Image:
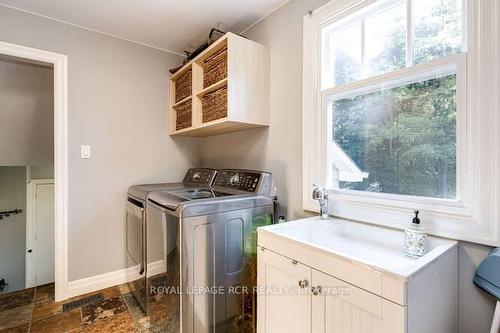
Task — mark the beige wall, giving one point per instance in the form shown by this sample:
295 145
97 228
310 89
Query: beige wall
118 102
13 228
278 148
26 114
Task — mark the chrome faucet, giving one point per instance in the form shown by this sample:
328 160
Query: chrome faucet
321 194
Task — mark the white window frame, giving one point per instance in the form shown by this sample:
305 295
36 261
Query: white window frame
475 214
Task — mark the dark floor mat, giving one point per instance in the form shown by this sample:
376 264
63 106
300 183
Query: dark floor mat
81 302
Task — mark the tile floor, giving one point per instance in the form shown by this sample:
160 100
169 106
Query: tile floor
34 310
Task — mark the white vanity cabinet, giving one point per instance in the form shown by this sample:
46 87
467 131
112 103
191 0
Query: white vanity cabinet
320 278
284 298
340 307
321 303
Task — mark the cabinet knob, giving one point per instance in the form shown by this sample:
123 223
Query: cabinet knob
303 283
316 290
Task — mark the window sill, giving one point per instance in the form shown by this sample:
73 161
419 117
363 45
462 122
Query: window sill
392 201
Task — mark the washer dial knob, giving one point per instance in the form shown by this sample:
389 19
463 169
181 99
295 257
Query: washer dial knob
234 180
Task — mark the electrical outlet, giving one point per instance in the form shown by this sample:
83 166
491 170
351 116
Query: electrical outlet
85 151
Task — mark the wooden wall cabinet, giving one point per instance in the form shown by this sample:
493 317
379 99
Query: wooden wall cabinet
242 86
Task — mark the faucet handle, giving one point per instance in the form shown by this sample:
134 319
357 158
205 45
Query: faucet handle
316 187
318 192
321 194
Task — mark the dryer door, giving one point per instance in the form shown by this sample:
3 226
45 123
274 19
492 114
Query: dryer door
135 217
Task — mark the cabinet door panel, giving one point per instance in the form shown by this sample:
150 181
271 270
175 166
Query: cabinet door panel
344 308
282 305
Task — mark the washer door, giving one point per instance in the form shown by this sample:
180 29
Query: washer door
163 269
219 265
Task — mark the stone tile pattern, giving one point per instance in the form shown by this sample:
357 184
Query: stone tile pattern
35 311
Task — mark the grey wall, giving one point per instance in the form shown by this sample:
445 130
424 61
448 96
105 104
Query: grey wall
118 103
13 228
26 114
41 172
475 308
278 148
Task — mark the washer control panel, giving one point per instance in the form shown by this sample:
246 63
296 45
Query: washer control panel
199 176
238 180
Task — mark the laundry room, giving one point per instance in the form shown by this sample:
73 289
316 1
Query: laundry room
257 166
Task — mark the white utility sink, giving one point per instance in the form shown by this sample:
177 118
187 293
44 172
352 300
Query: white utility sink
378 247
355 276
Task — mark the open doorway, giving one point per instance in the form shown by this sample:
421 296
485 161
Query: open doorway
33 168
26 174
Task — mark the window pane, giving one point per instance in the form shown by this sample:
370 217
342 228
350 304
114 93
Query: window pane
400 140
385 40
437 29
342 54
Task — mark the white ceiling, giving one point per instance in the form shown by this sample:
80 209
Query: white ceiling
171 25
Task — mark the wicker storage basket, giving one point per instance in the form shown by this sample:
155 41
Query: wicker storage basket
184 113
215 68
214 105
183 85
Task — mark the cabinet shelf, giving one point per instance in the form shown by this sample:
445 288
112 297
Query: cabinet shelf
213 87
181 71
181 101
213 122
246 65
215 127
181 131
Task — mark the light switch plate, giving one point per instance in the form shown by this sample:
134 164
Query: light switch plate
85 151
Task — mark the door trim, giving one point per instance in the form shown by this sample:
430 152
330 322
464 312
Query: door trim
30 220
60 66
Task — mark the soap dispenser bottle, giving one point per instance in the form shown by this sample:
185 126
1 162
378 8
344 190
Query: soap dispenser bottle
415 238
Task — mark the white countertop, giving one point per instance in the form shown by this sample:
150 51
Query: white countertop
378 247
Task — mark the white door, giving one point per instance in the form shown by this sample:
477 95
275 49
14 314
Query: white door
40 255
284 301
338 307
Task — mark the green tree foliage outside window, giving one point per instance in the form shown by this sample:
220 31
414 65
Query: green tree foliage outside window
404 137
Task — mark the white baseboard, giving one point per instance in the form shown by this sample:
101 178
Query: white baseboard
110 279
97 282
